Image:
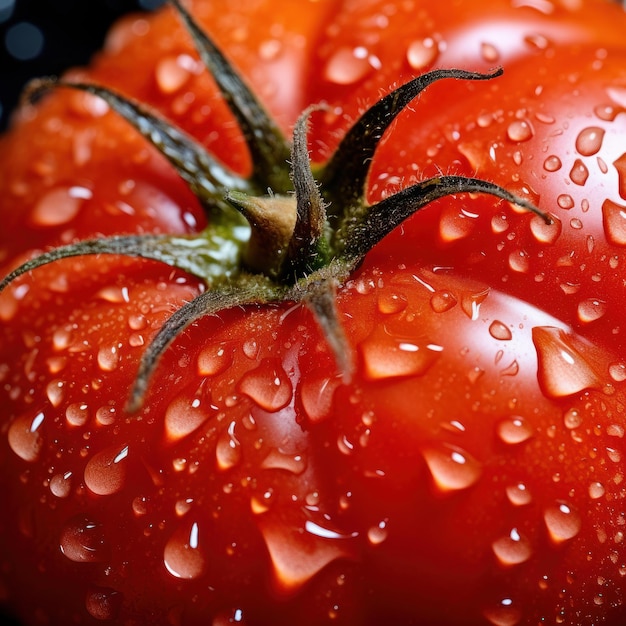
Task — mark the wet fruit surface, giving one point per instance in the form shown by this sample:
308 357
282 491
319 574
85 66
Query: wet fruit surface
471 471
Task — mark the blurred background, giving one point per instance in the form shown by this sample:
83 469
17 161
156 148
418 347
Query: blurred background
44 37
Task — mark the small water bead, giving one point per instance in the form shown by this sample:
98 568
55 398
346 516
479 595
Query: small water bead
617 371
562 521
614 221
565 201
56 207
228 449
442 301
228 617
452 469
106 415
589 140
55 390
105 472
316 394
519 261
562 371
504 613
545 233
390 303
552 163
108 358
422 53
214 359
514 430
500 331
268 386
103 603
572 419
349 65
591 309
520 130
500 223
607 112
512 549
182 556
183 416
24 436
596 490
82 541
77 414
171 73
579 173
518 494
489 52
378 533
280 460
61 485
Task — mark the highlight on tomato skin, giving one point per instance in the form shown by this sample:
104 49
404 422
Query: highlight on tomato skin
468 471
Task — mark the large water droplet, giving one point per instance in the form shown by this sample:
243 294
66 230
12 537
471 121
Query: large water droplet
520 130
562 371
55 390
512 549
387 356
471 302
562 521
108 358
504 613
183 416
105 472
316 393
183 556
589 140
552 163
103 603
452 469
422 53
77 414
214 359
591 309
579 173
277 459
545 233
268 386
56 207
514 430
228 448
518 494
500 331
378 533
61 485
614 221
172 73
442 301
82 541
348 66
24 436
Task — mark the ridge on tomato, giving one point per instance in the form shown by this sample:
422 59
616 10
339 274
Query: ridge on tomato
436 449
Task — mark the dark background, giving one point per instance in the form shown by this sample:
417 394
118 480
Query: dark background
44 37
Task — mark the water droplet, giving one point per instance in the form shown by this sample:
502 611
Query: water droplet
500 331
552 163
596 490
347 66
562 371
456 224
519 261
268 386
316 393
171 74
520 130
589 140
518 494
614 220
55 390
103 603
385 356
579 173
452 469
278 459
617 371
61 485
82 541
24 436
56 207
377 534
390 303
591 309
562 521
620 166
572 419
489 52
442 301
607 112
471 302
228 449
77 414
512 549
504 613
105 472
182 416
514 430
565 201
182 555
108 358
229 617
214 359
545 233
422 53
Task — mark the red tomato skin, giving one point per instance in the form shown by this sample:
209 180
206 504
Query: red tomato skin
458 479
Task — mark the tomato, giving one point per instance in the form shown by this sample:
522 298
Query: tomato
396 410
